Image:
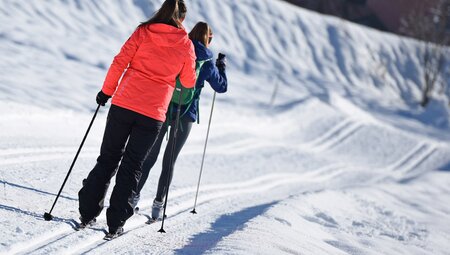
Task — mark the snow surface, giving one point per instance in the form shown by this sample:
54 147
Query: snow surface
340 161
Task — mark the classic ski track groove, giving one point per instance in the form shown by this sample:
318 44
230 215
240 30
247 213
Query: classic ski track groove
338 136
400 163
416 161
39 241
41 150
218 191
53 237
330 133
427 154
30 155
347 128
406 164
413 158
187 205
331 138
408 169
335 135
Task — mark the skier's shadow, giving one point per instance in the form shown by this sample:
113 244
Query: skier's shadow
34 190
222 227
72 223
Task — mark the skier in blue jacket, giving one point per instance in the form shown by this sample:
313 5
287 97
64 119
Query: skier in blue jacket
201 36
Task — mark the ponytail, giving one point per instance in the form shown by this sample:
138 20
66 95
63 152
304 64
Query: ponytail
170 13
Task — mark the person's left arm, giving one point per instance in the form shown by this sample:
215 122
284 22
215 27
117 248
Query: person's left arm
121 62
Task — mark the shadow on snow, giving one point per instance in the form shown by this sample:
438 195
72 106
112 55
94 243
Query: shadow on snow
222 227
35 190
71 222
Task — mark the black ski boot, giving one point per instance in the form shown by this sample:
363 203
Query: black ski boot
113 234
86 223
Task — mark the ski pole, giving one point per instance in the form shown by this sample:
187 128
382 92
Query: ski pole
48 216
204 152
177 120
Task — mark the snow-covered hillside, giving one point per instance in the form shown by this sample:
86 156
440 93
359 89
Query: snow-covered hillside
342 161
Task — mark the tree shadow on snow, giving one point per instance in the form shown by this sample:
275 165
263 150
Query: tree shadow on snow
445 167
222 227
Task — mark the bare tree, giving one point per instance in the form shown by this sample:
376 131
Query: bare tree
429 22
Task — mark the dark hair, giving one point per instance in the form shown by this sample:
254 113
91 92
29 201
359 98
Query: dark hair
170 13
201 32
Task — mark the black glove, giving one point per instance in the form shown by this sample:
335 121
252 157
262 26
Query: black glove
102 98
221 62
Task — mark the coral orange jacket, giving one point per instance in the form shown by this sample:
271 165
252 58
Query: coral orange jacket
152 58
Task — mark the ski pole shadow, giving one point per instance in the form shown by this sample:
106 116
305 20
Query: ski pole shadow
72 223
222 227
35 190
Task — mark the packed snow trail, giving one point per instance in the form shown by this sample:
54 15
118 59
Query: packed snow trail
67 238
342 161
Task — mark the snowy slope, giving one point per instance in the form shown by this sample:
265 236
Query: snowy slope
342 162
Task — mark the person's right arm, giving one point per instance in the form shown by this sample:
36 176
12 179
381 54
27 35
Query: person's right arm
121 62
216 77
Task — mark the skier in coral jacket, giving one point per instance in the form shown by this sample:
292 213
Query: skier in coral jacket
157 52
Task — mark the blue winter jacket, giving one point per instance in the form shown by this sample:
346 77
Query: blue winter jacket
210 73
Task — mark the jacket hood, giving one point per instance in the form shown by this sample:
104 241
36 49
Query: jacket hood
201 51
166 35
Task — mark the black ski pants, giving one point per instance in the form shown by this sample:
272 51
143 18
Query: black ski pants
141 132
184 129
